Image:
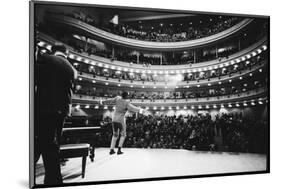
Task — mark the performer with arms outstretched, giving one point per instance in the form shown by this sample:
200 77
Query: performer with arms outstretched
119 121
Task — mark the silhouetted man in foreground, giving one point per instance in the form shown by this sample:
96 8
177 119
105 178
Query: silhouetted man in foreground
54 77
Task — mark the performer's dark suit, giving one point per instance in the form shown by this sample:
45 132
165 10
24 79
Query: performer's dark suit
54 77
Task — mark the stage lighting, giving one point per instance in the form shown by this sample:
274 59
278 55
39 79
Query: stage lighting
78 58
71 56
41 44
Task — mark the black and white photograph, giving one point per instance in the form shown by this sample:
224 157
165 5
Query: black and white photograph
122 94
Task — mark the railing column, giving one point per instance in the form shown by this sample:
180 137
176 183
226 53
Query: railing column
138 57
113 52
194 56
86 44
217 51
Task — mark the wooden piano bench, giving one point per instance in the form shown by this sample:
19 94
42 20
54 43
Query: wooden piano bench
76 150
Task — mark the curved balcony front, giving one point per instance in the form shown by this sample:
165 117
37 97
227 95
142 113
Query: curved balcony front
146 45
105 62
259 93
182 84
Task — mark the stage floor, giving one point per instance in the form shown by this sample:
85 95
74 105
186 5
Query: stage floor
148 163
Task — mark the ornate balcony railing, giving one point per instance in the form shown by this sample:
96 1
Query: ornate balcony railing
161 84
105 62
225 99
147 45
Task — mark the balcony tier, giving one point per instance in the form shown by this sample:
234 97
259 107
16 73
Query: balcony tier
149 84
105 62
147 45
233 98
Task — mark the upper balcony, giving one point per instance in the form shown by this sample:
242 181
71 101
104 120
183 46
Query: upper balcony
242 55
140 44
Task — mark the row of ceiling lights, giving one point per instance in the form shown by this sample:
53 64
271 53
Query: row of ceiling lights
167 86
214 106
91 62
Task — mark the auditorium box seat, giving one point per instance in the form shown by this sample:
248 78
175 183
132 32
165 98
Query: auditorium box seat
76 150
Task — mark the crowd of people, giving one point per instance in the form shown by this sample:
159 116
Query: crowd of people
97 92
220 52
239 134
197 76
161 33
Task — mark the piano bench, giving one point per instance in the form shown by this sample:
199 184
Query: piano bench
76 150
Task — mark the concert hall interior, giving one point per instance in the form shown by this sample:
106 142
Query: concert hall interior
201 80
